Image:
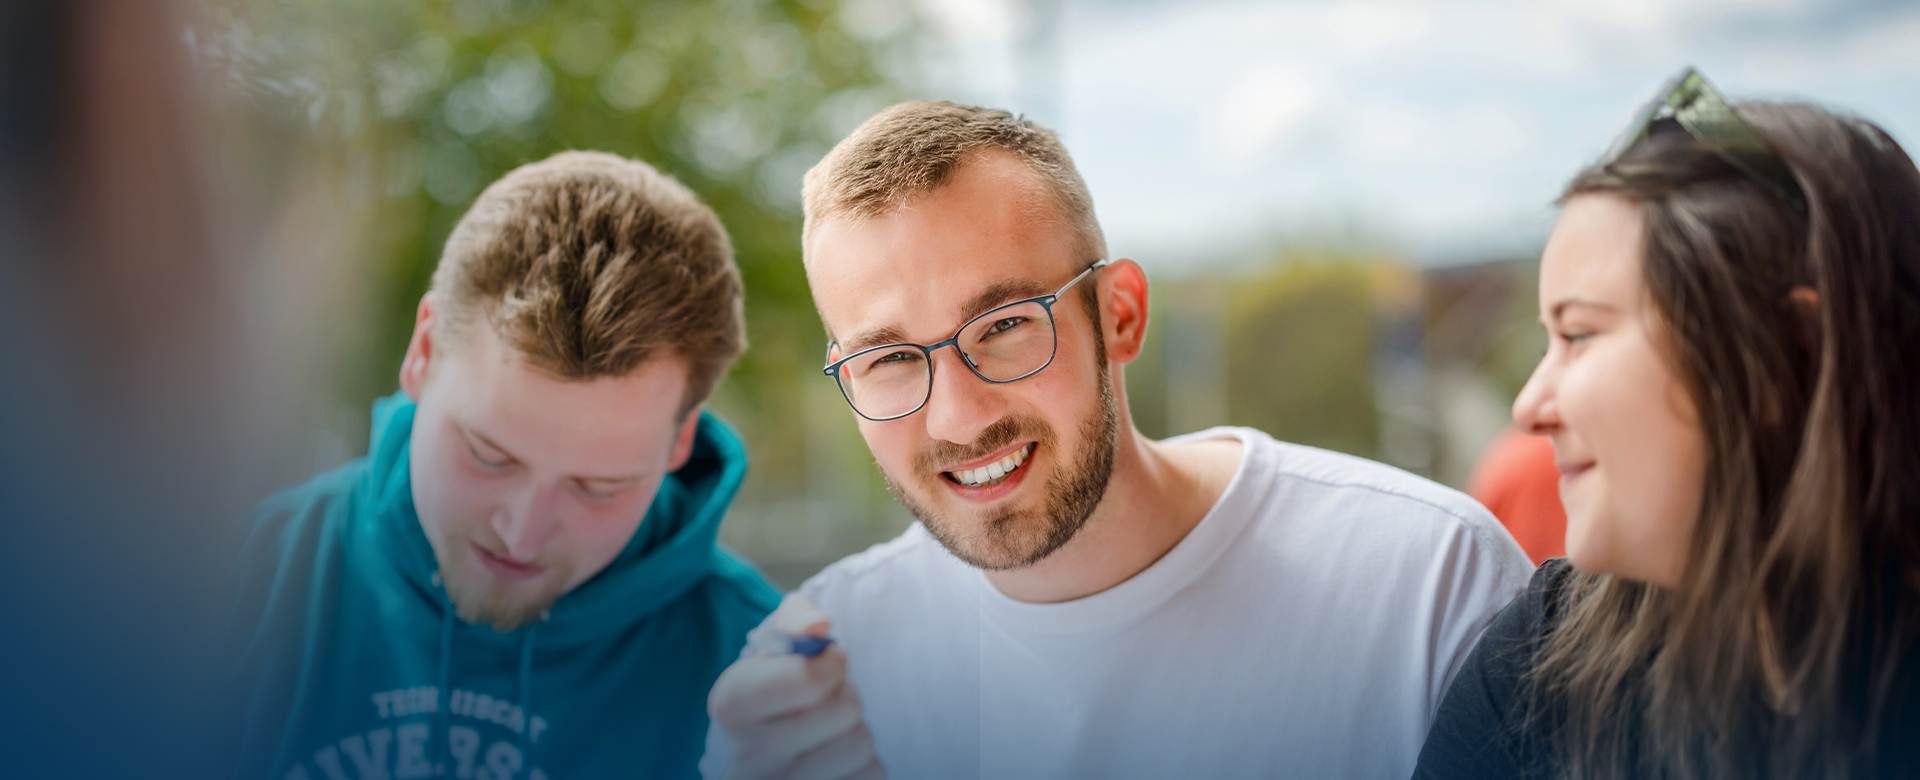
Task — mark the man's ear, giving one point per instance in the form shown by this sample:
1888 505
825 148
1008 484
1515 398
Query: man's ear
1123 309
683 442
413 367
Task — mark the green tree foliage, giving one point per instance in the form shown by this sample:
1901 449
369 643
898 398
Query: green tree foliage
423 102
1299 355
1289 350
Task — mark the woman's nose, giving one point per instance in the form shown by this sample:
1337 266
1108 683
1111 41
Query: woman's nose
1534 409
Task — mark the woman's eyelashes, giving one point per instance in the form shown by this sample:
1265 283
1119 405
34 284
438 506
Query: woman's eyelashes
1570 337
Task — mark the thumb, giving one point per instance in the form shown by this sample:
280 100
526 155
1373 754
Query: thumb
799 616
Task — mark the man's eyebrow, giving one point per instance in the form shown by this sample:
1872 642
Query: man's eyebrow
885 334
999 293
982 302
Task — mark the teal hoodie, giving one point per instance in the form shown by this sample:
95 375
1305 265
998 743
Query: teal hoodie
356 669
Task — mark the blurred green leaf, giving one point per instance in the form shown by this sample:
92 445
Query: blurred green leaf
440 97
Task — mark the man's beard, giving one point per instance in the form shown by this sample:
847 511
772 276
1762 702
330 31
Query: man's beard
1012 538
479 597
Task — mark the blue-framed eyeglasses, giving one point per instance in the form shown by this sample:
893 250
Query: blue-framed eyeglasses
1008 344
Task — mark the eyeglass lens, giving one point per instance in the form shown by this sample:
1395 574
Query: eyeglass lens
1000 346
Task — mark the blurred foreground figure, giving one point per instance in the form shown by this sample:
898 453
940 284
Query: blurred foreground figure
1517 481
1733 396
1078 601
122 402
520 579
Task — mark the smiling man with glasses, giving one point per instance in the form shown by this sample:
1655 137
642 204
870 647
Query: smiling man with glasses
1078 600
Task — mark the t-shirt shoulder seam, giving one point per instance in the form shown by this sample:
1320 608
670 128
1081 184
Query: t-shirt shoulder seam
1288 452
860 564
1479 531
1384 490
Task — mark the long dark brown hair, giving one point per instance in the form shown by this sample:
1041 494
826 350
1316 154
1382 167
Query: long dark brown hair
1787 641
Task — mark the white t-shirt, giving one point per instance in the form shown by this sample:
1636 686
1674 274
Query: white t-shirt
1306 627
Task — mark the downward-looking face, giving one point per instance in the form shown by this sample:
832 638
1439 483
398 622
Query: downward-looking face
1626 434
1001 474
528 485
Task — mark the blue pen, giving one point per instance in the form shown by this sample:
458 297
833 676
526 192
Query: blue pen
810 646
768 641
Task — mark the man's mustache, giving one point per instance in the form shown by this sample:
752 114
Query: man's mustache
1001 433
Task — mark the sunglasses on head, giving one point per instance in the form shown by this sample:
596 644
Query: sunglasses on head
1690 103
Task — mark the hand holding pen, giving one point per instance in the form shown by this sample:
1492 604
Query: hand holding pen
770 640
786 706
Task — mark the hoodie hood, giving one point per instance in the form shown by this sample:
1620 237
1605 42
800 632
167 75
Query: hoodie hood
359 666
673 549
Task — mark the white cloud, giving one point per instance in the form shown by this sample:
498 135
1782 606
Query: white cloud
1260 108
1893 45
1453 124
1366 28
1390 132
972 20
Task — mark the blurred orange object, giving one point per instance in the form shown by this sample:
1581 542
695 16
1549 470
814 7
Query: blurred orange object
1517 481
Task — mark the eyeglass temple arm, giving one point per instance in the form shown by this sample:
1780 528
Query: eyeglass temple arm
1097 265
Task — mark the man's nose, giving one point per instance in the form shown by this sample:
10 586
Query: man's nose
525 522
1536 410
959 405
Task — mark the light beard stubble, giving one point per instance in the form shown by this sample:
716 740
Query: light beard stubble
1012 539
477 604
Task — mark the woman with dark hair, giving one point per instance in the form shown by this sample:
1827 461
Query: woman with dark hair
1733 395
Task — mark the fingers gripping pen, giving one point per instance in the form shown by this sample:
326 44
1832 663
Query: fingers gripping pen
767 640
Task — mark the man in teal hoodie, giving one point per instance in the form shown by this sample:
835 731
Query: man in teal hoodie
520 579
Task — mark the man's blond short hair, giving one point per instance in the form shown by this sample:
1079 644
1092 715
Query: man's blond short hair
591 265
913 148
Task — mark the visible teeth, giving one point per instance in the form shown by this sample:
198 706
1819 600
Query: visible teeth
992 472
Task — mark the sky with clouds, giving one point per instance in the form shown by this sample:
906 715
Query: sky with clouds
1213 130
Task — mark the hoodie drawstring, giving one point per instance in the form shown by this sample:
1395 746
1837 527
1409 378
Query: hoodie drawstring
527 749
446 678
526 696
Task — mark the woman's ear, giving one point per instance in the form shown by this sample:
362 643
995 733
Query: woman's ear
1806 300
1803 303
